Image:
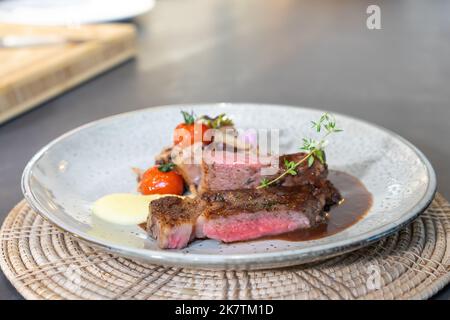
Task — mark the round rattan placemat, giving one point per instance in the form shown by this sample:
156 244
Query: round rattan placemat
43 262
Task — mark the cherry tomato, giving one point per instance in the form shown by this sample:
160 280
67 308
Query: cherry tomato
155 181
187 134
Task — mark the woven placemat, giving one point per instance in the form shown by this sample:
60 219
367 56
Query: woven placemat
43 262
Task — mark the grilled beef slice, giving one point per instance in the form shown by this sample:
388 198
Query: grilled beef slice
233 170
171 221
227 171
246 214
238 215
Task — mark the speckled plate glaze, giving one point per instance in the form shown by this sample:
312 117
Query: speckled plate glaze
63 180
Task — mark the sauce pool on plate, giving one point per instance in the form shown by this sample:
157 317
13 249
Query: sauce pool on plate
357 203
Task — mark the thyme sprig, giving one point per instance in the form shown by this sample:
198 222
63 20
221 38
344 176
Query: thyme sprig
314 149
217 122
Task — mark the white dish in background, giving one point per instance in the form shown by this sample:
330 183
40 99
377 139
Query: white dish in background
63 180
68 12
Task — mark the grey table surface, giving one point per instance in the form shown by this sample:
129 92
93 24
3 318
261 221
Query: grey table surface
318 54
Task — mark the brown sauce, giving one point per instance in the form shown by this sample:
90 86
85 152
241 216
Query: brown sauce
357 202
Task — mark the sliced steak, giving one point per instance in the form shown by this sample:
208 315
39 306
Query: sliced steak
229 171
247 214
171 221
238 215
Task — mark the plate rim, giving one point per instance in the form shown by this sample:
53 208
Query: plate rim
247 261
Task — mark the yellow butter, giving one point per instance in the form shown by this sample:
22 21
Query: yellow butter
124 208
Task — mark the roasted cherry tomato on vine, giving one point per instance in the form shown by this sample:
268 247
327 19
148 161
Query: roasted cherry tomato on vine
189 132
161 180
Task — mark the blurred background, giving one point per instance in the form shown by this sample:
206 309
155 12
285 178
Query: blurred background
64 63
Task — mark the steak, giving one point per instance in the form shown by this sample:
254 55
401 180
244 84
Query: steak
172 220
247 214
237 170
229 171
238 215
229 208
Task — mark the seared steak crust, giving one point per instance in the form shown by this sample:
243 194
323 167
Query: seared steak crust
171 221
238 215
173 210
272 199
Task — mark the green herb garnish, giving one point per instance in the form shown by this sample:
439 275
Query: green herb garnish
217 122
314 148
166 167
189 118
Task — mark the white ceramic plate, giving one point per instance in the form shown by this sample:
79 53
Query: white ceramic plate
69 12
63 180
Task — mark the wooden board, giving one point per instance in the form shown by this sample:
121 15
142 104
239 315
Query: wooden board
32 75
